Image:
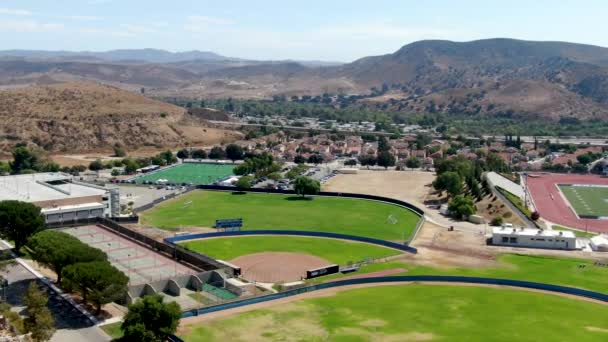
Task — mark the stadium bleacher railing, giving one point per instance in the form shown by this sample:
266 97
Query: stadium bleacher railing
397 279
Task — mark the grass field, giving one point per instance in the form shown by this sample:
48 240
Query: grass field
576 232
268 211
587 200
189 173
336 251
113 330
559 271
416 313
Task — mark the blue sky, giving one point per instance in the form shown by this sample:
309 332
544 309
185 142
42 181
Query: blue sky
324 30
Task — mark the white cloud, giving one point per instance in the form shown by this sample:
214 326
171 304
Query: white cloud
103 32
10 11
82 17
137 29
126 30
200 23
28 26
336 42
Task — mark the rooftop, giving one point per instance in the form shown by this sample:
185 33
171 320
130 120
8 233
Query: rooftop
39 187
533 232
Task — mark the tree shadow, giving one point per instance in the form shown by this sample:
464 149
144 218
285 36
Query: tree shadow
239 193
298 198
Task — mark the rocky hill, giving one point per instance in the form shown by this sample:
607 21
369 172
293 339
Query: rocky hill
87 116
495 77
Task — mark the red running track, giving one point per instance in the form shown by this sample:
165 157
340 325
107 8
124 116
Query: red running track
553 207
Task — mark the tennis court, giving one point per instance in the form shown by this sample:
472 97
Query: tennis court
140 264
195 173
587 200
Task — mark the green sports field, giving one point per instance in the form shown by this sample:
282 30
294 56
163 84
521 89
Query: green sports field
189 173
416 313
269 211
335 251
587 200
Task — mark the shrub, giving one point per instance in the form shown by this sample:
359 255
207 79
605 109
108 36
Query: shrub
497 221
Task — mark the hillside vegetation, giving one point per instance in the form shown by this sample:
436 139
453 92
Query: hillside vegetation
89 116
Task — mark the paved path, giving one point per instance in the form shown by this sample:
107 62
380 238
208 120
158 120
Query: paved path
72 325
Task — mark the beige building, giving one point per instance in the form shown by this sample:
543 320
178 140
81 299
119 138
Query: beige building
60 196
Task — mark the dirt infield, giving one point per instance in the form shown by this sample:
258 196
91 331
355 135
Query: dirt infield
553 207
273 267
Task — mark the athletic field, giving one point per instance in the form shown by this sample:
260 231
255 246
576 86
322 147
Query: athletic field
335 251
587 200
414 313
189 173
270 211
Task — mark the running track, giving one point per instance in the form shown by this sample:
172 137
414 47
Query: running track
552 206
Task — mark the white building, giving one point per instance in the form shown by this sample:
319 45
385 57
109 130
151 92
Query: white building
534 238
599 243
60 197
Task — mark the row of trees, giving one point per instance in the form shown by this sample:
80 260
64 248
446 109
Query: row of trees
262 165
232 151
461 178
79 267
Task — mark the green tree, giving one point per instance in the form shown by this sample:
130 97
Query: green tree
119 151
199 154
306 186
422 139
39 321
96 165
150 320
413 163
234 152
184 153
4 168
18 221
97 281
497 221
449 181
168 157
386 159
383 145
584 159
367 160
57 250
299 159
217 152
131 166
244 182
24 160
315 159
462 206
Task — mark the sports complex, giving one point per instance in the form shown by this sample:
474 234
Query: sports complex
576 201
375 295
187 173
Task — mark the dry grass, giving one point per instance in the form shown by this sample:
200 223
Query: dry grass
93 117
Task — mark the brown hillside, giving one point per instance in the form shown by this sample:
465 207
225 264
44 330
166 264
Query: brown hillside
88 116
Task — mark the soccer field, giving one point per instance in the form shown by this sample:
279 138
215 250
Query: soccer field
270 211
189 173
415 313
335 251
587 200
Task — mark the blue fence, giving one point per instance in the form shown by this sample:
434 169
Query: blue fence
379 242
396 279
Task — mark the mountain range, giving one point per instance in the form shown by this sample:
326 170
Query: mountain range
499 77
